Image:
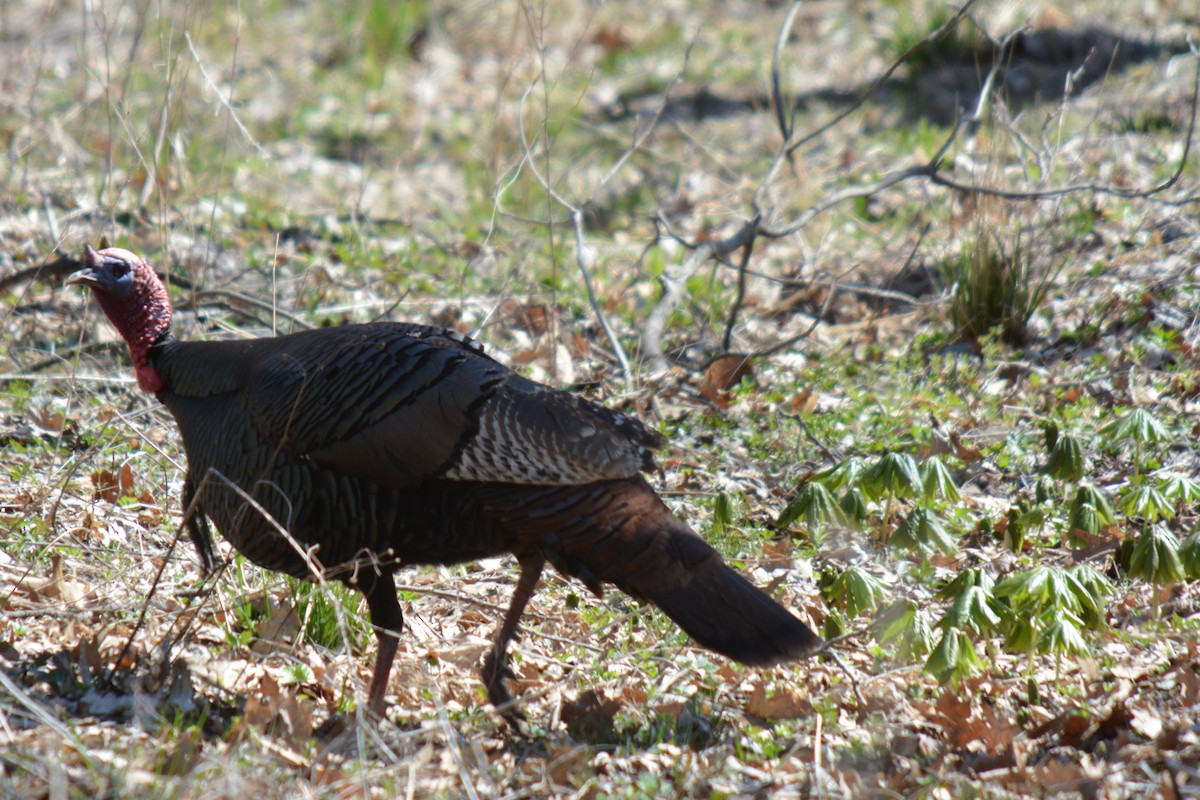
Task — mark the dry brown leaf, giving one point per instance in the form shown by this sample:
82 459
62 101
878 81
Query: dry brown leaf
125 480
48 420
1146 722
56 588
328 775
532 317
466 656
724 374
105 486
963 452
780 701
778 553
803 401
966 721
567 764
530 355
1189 682
277 632
17 503
611 38
580 346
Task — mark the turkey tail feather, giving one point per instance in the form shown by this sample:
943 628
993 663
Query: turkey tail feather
724 612
649 554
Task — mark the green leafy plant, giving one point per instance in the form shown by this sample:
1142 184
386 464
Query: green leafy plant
1088 495
724 512
1189 555
816 505
855 507
936 482
892 477
904 625
389 30
1051 607
953 658
1139 428
1156 557
1066 461
914 26
923 531
1148 502
853 591
843 476
973 605
973 611
329 614
1180 489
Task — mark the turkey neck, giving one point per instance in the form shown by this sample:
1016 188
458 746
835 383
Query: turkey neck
200 369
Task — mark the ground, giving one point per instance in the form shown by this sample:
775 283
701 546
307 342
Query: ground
911 288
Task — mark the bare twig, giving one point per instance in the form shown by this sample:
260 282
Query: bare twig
931 171
747 249
785 32
927 170
930 37
938 178
239 301
792 144
674 286
221 96
584 256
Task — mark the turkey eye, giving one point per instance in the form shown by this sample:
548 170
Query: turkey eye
120 269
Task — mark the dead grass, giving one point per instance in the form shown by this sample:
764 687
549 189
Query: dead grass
260 159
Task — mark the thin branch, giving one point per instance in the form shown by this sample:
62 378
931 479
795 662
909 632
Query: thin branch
791 145
927 170
640 138
583 254
940 179
747 249
674 285
785 33
221 97
239 301
932 36
931 170
58 269
858 289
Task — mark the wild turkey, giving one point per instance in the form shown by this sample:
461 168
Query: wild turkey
356 450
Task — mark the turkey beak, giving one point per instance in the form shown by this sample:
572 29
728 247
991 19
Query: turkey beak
87 275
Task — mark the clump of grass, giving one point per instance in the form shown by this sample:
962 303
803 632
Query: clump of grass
317 606
994 284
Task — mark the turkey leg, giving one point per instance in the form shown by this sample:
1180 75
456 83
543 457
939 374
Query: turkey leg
495 664
388 621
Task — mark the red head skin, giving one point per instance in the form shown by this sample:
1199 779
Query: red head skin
134 300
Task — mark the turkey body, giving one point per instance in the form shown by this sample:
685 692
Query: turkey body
344 442
346 453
